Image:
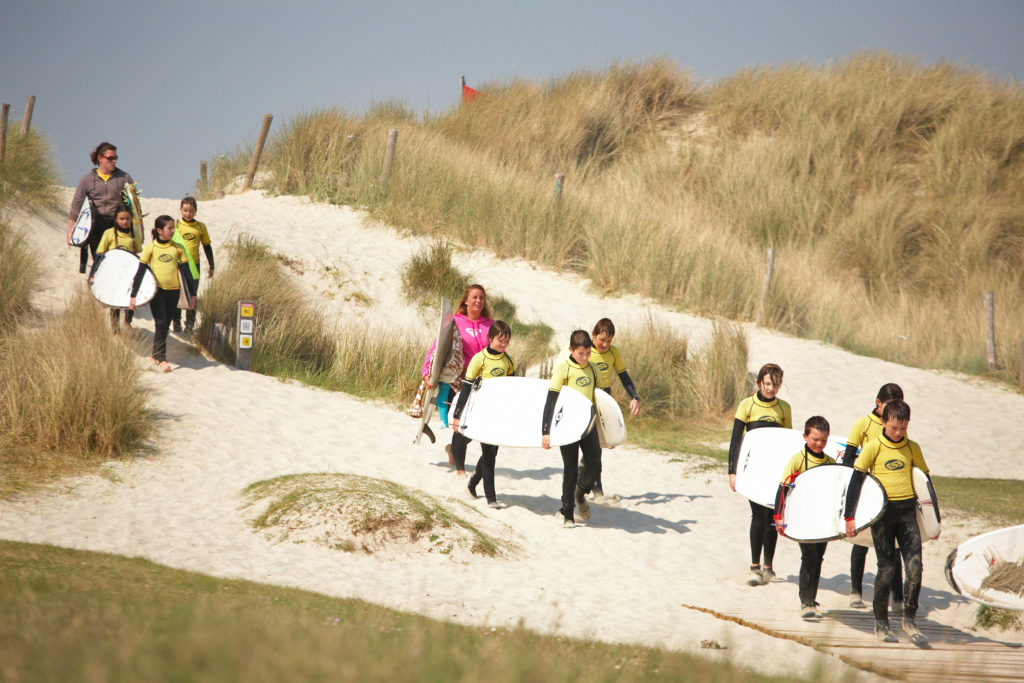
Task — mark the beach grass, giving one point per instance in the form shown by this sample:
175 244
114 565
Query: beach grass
61 413
994 500
887 188
28 177
83 616
21 274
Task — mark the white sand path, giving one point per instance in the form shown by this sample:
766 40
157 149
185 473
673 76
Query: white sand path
678 535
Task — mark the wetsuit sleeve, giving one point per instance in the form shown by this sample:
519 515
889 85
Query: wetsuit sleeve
208 249
627 384
778 496
787 416
137 282
738 427
853 493
549 411
467 387
850 454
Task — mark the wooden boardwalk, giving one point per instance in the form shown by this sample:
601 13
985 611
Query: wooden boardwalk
950 655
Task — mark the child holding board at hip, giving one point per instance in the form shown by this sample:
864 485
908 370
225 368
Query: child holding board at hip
169 264
492 361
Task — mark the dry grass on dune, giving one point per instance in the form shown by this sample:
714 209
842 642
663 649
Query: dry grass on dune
889 190
70 396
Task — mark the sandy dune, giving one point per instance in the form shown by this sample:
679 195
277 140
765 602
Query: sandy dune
677 536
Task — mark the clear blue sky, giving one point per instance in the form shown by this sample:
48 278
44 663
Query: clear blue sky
173 83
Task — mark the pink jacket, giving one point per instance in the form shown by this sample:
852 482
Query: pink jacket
474 339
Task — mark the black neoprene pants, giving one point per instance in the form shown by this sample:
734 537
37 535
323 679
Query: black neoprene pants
762 534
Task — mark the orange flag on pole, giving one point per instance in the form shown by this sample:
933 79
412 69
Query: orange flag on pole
468 94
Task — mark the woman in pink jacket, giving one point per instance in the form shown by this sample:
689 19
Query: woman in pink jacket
473 321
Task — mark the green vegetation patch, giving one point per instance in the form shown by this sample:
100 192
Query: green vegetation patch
994 500
80 616
349 512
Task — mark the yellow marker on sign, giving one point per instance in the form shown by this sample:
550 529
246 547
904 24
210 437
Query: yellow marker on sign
246 310
245 341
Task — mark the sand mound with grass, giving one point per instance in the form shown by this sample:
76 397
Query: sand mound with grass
353 513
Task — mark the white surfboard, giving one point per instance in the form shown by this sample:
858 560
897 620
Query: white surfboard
442 347
508 411
813 506
115 274
927 512
611 426
83 224
990 568
765 451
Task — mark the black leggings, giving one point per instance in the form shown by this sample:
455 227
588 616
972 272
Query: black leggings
162 307
858 558
100 224
485 471
590 445
762 534
811 556
898 525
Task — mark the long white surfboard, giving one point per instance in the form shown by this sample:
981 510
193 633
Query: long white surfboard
814 505
990 568
442 347
611 426
83 224
114 276
765 451
508 411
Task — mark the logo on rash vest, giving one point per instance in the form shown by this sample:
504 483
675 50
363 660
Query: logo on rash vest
189 236
582 381
497 372
601 366
894 465
166 258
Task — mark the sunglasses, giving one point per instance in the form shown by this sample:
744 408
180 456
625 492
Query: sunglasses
113 158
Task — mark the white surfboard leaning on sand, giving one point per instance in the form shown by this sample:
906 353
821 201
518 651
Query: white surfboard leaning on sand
114 277
611 426
990 568
814 504
442 347
763 454
83 224
508 411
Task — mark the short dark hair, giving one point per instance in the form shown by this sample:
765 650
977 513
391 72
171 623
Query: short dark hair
499 328
580 338
816 422
896 410
890 392
190 201
604 326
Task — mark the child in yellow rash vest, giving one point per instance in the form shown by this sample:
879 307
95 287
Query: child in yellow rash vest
816 431
121 236
577 373
762 409
193 233
166 259
891 459
865 430
607 361
490 362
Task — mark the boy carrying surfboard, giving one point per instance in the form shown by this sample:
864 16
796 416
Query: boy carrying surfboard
816 431
891 459
492 361
121 236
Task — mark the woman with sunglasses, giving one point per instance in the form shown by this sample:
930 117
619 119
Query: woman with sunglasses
101 187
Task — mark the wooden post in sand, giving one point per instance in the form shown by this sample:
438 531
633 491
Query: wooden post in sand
389 156
203 184
255 161
245 327
990 329
26 123
769 269
3 130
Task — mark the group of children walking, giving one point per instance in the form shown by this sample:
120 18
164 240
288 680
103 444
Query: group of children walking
173 258
877 445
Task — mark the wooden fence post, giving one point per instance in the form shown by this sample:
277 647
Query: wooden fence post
255 161
389 156
26 123
3 130
1021 378
769 269
559 183
203 183
990 329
